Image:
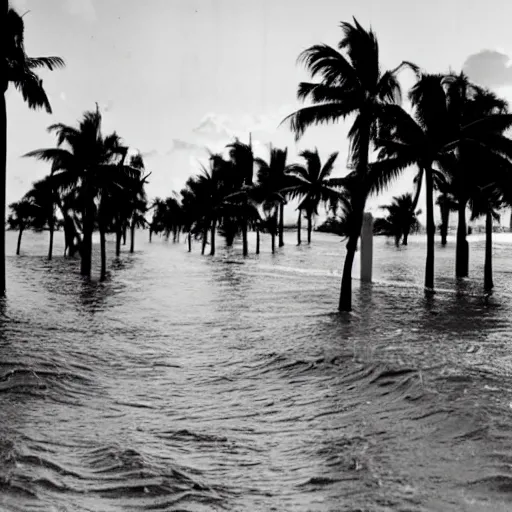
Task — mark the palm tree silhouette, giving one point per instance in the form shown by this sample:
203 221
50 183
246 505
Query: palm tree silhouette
402 218
273 179
22 217
86 160
17 68
313 185
351 83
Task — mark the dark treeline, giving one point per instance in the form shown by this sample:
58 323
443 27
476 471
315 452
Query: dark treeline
455 134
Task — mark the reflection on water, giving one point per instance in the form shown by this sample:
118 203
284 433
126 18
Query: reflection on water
190 383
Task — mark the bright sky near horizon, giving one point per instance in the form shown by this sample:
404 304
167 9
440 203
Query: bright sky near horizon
173 77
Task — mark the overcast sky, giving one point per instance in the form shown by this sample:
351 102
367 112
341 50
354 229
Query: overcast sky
175 76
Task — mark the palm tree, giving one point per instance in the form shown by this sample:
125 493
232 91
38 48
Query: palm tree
21 218
313 185
351 83
84 160
241 178
402 218
273 178
17 68
447 203
420 139
42 195
467 103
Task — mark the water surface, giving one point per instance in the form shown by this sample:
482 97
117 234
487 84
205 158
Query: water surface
197 384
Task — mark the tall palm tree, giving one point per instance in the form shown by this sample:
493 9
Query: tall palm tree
351 83
419 140
313 185
273 178
17 68
467 103
84 159
242 175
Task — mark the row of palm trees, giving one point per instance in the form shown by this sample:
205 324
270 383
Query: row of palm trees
455 135
94 184
241 192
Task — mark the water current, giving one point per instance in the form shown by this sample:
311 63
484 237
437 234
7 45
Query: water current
190 383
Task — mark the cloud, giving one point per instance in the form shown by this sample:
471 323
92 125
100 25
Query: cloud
490 68
82 8
183 145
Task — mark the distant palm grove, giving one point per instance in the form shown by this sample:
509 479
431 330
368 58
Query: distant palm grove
454 133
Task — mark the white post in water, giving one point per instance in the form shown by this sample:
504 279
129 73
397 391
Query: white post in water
367 248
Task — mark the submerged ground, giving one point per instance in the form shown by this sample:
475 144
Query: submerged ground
190 383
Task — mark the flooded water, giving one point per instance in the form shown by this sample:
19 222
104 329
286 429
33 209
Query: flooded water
188 383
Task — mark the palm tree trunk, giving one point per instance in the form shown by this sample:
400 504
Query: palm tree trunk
488 283
18 247
50 245
345 303
431 229
150 234
358 204
245 245
281 224
103 249
205 239
124 235
257 240
299 227
189 237
418 190
405 238
119 235
273 238
462 248
132 237
86 246
445 218
212 237
310 227
3 147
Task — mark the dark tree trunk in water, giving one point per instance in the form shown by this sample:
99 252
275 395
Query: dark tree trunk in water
405 238
119 235
103 249
462 248
189 238
3 139
310 227
132 237
281 225
445 219
431 229
299 228
204 241
50 245
488 283
257 240
345 303
18 247
212 238
86 246
245 245
124 235
397 240
273 231
150 234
